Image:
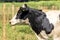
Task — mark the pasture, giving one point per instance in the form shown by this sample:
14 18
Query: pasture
20 31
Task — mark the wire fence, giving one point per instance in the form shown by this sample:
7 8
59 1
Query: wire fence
5 18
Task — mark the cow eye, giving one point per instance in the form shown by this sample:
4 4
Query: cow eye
23 10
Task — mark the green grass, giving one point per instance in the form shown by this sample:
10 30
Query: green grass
0 29
19 32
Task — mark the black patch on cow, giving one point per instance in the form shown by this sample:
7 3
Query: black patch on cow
47 26
37 19
22 13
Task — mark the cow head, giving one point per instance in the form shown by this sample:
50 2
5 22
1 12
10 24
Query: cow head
21 14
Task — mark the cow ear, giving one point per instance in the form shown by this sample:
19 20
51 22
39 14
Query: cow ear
21 8
24 5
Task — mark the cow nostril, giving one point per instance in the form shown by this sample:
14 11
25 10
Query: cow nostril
10 22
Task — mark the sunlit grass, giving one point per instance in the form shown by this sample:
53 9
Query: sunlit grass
20 32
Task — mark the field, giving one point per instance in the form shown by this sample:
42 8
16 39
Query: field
21 32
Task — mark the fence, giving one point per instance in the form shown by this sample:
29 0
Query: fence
5 19
7 12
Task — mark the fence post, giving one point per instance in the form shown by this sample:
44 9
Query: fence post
4 23
8 12
13 27
53 8
13 14
12 10
17 8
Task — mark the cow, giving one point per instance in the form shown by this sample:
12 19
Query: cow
37 19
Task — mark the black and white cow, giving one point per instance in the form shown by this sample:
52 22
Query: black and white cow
37 19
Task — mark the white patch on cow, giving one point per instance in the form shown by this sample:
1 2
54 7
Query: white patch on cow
14 20
23 6
42 36
38 37
53 16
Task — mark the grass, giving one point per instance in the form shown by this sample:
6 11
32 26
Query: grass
0 29
18 32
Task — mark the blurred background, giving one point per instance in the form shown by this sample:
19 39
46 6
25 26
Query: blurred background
8 8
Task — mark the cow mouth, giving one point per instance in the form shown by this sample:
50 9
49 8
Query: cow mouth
14 24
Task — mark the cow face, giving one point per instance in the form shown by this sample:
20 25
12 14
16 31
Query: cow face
21 14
